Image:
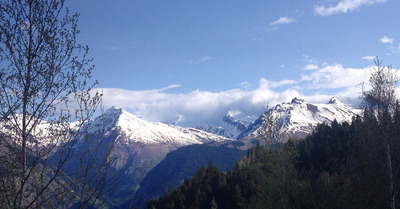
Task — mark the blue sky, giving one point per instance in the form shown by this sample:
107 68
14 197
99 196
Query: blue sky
177 59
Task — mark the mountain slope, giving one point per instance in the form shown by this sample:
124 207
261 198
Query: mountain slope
139 145
299 118
183 163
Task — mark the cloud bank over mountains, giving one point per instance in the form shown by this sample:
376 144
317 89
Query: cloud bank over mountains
316 85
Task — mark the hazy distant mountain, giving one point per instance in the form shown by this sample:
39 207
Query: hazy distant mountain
300 118
43 132
230 126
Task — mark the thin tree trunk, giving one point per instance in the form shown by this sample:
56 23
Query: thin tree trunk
390 172
25 110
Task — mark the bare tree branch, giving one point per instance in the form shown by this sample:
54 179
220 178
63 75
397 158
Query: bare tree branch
46 83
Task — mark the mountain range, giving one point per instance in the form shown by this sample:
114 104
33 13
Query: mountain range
299 118
139 145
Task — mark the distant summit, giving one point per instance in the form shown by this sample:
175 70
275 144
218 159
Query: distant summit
231 125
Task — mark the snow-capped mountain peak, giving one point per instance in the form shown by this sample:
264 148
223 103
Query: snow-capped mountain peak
299 118
131 128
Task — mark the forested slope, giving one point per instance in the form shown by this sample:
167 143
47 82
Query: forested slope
338 166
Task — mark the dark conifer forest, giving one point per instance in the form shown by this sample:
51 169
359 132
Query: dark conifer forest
338 166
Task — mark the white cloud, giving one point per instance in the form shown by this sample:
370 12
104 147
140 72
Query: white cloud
344 6
264 83
246 84
310 67
283 20
203 59
386 40
172 86
272 29
335 77
204 107
394 49
113 48
196 106
369 58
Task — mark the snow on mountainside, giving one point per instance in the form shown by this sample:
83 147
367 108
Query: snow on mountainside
131 128
43 134
300 118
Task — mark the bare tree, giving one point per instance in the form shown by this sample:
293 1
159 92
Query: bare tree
381 100
271 131
45 84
